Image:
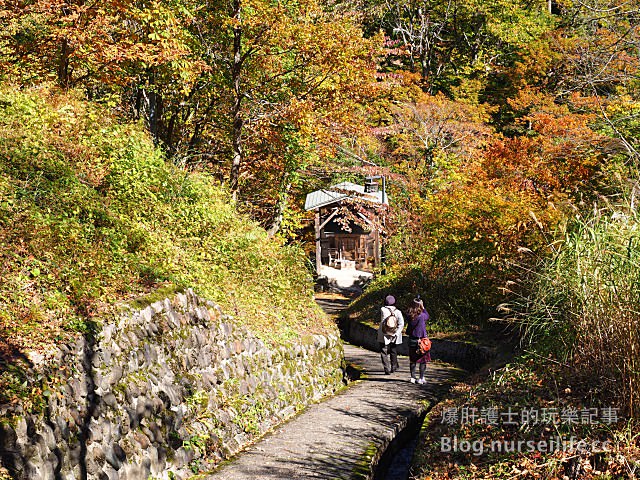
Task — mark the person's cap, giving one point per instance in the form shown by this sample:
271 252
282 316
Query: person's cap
389 300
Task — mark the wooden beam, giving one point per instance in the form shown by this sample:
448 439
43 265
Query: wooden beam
335 212
366 219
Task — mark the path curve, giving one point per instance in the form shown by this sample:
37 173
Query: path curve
345 433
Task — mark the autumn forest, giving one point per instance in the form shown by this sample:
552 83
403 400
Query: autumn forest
507 131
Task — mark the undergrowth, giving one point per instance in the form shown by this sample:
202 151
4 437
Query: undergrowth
91 214
577 378
582 304
531 400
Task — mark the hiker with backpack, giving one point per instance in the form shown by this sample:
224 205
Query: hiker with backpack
390 334
419 343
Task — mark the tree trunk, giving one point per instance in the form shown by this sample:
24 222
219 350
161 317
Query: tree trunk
63 65
236 130
279 216
153 105
169 133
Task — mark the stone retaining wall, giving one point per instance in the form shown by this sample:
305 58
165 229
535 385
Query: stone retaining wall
466 355
164 392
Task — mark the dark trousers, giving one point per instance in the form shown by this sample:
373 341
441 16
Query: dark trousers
389 356
412 369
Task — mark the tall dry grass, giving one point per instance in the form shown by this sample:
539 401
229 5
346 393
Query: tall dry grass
583 303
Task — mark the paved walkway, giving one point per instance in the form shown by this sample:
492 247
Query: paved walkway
335 438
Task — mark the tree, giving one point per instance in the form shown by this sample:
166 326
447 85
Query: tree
283 82
457 46
90 44
600 44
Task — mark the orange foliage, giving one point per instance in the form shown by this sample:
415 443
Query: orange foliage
561 155
77 42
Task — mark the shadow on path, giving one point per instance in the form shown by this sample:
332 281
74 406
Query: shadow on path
346 433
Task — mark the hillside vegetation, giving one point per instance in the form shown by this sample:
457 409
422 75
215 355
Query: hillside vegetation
92 214
577 376
582 303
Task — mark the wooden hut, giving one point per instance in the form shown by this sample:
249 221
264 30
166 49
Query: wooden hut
344 243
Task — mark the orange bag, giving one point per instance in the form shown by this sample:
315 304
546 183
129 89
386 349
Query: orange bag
424 345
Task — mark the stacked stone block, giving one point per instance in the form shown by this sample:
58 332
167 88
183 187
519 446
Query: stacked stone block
164 392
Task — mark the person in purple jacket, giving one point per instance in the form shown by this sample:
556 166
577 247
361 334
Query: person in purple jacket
416 329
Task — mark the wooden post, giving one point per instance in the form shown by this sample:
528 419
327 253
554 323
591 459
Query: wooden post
318 239
376 248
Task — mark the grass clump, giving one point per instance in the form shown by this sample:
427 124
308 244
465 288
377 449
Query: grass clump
583 305
91 214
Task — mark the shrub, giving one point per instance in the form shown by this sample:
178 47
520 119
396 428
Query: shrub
91 214
584 301
456 248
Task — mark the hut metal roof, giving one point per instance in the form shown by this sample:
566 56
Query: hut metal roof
336 193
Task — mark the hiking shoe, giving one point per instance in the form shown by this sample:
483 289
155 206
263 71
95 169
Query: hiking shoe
422 381
412 380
